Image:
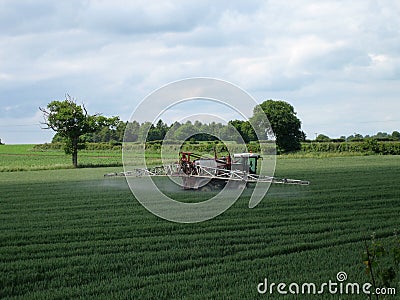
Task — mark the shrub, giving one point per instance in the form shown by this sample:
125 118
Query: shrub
368 146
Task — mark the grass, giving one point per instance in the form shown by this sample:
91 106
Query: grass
71 233
25 158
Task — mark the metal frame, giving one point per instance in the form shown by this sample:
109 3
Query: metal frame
209 173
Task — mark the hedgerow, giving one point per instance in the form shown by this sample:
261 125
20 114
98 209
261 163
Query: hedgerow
370 146
366 147
88 146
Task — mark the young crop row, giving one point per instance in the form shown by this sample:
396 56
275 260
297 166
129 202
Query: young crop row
72 233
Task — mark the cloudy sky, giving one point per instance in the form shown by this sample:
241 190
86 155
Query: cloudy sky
336 62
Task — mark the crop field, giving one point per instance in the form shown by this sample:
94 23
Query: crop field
25 157
70 233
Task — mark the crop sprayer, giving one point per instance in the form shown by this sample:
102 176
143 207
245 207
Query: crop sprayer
203 173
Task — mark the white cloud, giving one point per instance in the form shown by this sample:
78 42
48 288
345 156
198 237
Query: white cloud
334 57
24 130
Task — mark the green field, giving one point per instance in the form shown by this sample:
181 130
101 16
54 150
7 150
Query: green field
25 157
71 233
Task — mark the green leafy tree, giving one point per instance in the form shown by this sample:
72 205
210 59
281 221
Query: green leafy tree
245 129
303 136
120 131
105 134
322 138
248 132
215 128
143 131
71 122
284 122
158 132
228 133
131 131
381 135
185 130
396 136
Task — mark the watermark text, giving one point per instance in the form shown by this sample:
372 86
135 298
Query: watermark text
338 286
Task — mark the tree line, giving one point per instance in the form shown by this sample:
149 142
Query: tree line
283 120
74 127
380 136
148 132
136 132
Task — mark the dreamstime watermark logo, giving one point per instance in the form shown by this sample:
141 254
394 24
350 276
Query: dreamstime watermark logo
196 99
335 287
